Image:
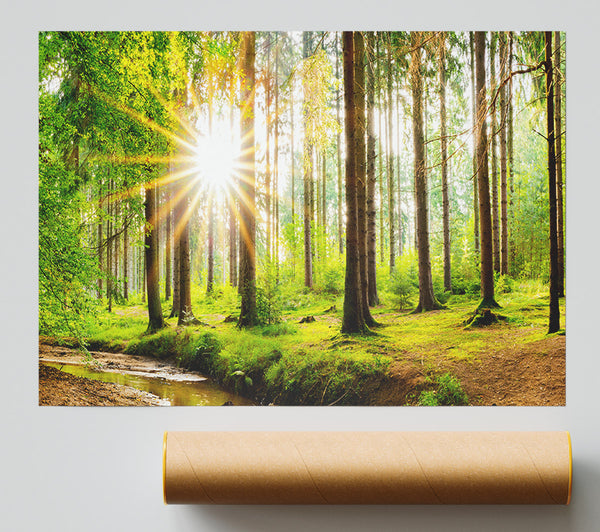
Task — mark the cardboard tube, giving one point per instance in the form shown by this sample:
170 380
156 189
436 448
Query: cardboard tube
367 467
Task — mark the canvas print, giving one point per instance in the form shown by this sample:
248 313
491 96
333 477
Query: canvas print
302 218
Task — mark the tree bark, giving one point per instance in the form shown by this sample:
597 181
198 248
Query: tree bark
373 297
494 161
474 114
361 174
390 155
248 316
511 159
503 162
155 317
308 178
554 318
353 319
427 299
339 150
559 166
444 155
485 218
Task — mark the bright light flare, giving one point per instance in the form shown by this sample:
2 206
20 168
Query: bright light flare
216 157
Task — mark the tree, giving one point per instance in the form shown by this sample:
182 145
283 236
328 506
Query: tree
494 163
485 218
155 317
474 115
247 270
373 297
361 174
559 165
427 300
503 156
390 162
353 320
554 319
308 177
444 169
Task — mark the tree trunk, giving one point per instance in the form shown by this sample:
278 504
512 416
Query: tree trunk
186 316
339 149
503 169
308 178
210 269
276 163
427 299
511 172
444 155
248 316
176 201
494 162
268 148
380 108
474 114
361 174
485 218
353 319
373 297
390 155
554 320
559 166
155 317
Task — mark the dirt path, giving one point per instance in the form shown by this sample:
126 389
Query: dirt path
57 388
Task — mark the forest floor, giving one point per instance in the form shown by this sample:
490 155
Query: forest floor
513 362
57 388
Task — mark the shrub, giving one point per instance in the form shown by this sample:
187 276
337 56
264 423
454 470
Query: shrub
200 356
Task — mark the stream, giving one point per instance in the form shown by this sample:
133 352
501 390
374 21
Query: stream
182 389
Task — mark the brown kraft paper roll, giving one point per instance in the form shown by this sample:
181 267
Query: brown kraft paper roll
367 467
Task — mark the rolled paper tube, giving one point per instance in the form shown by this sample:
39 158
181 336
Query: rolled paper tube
367 467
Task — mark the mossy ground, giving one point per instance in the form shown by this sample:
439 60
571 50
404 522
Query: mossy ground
312 363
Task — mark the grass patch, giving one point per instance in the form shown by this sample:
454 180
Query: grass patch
447 392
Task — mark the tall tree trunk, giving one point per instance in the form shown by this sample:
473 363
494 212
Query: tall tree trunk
511 168
168 244
361 174
554 319
268 148
308 178
100 244
186 316
380 108
485 217
248 316
503 169
559 166
210 267
427 299
390 155
400 230
176 217
494 162
210 273
276 162
233 202
126 261
474 115
373 297
353 319
339 150
444 155
155 317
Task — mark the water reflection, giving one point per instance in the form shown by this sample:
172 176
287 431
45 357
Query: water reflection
195 393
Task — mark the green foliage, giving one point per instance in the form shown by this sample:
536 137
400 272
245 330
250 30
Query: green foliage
201 352
268 298
331 280
448 392
324 377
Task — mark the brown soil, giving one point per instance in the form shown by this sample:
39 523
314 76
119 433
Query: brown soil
57 388
529 374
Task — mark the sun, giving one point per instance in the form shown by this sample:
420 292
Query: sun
215 159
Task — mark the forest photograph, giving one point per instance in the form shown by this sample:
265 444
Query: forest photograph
316 218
